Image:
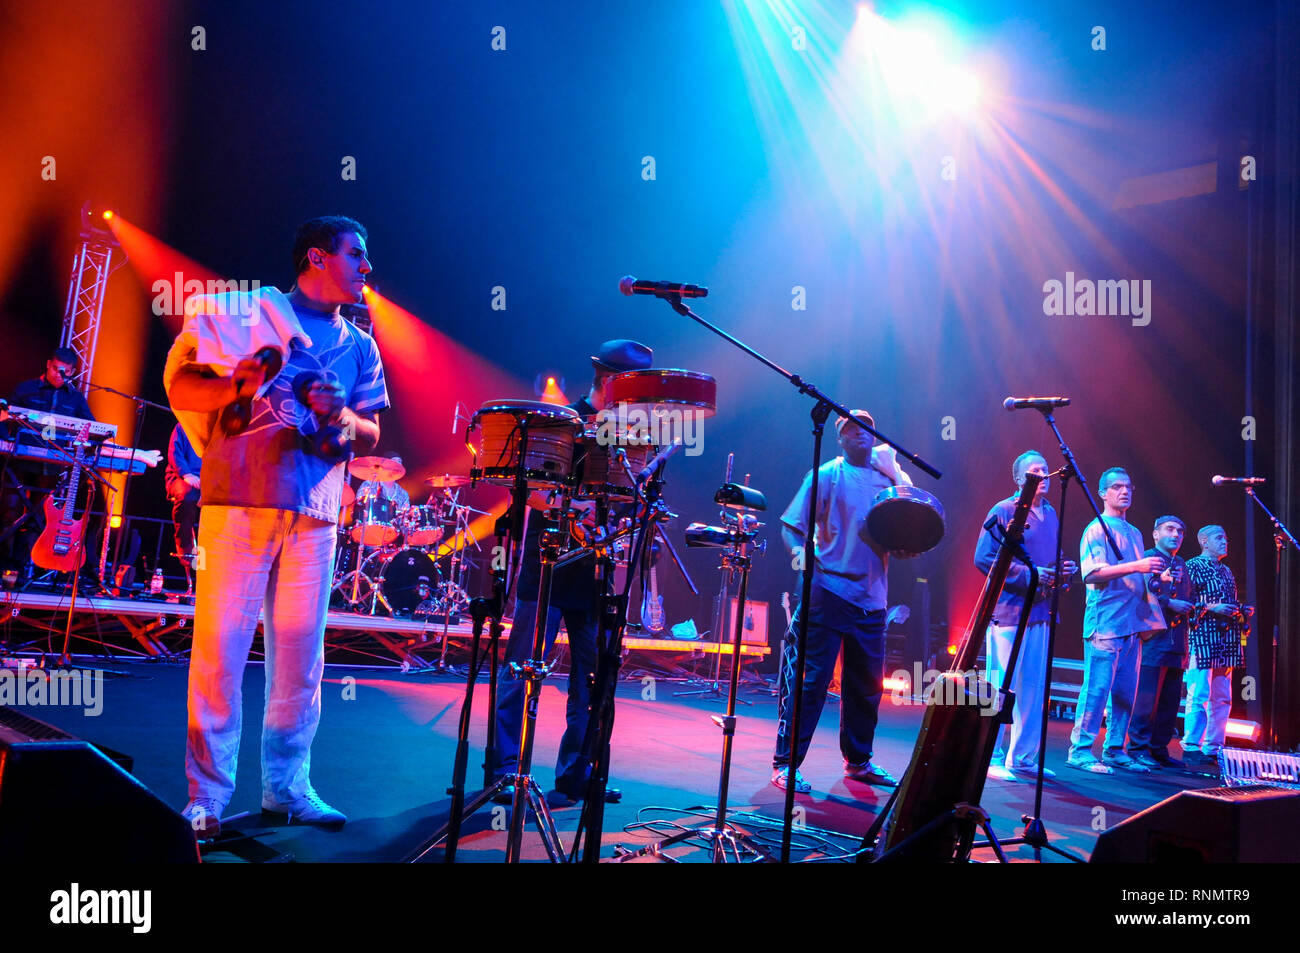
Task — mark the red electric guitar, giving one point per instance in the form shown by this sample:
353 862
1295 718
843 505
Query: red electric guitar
62 544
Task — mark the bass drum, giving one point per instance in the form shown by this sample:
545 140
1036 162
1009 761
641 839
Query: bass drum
406 580
906 521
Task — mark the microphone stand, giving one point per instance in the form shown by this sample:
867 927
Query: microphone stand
1281 537
820 412
1035 831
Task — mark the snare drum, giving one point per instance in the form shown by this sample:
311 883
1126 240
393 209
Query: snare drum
551 434
600 472
374 521
423 525
906 521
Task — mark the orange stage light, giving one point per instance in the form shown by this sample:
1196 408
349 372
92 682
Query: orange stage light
552 393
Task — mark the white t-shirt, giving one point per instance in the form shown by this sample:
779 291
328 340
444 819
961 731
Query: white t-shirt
848 563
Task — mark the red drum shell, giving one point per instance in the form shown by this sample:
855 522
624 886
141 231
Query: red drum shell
670 387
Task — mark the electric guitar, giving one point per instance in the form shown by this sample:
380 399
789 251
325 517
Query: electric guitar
652 604
62 544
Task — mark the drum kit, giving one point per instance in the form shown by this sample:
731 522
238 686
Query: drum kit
391 553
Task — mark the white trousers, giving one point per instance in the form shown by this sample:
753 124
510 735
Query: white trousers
250 559
1018 749
1209 702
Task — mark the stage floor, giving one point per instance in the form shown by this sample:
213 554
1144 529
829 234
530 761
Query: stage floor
384 753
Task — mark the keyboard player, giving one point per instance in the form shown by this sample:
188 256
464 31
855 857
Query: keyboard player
55 392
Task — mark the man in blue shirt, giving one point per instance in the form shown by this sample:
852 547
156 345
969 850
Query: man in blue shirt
1016 756
266 538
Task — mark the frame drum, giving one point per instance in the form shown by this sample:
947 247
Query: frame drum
906 521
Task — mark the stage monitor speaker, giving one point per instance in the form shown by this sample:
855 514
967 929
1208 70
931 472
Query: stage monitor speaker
1258 823
63 800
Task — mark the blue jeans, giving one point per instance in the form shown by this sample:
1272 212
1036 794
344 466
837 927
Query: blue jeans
1155 708
1110 670
834 621
571 771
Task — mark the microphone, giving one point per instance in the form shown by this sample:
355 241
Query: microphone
657 459
660 289
1035 403
1245 481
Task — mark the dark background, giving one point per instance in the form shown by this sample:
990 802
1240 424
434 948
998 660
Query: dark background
522 169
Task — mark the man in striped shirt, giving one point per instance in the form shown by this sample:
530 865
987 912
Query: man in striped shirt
1214 641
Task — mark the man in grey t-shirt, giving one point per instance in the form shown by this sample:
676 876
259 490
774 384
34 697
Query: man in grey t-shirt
848 606
1119 611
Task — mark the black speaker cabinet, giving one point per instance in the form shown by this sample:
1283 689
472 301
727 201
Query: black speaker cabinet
1258 823
62 799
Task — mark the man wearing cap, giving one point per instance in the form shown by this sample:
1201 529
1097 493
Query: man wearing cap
848 606
574 595
1164 655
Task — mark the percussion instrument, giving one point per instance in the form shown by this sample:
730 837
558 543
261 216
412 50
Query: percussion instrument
552 432
379 469
407 579
599 467
374 521
446 481
660 391
423 525
906 521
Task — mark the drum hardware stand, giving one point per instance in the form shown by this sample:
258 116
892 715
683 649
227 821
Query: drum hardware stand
481 609
730 521
526 790
727 843
613 621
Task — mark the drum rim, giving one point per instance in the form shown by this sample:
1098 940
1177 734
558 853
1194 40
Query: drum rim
661 372
537 407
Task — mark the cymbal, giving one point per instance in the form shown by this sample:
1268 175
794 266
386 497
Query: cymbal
381 469
447 481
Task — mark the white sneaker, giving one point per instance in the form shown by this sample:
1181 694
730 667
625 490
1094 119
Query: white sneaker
999 773
781 775
204 815
308 809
